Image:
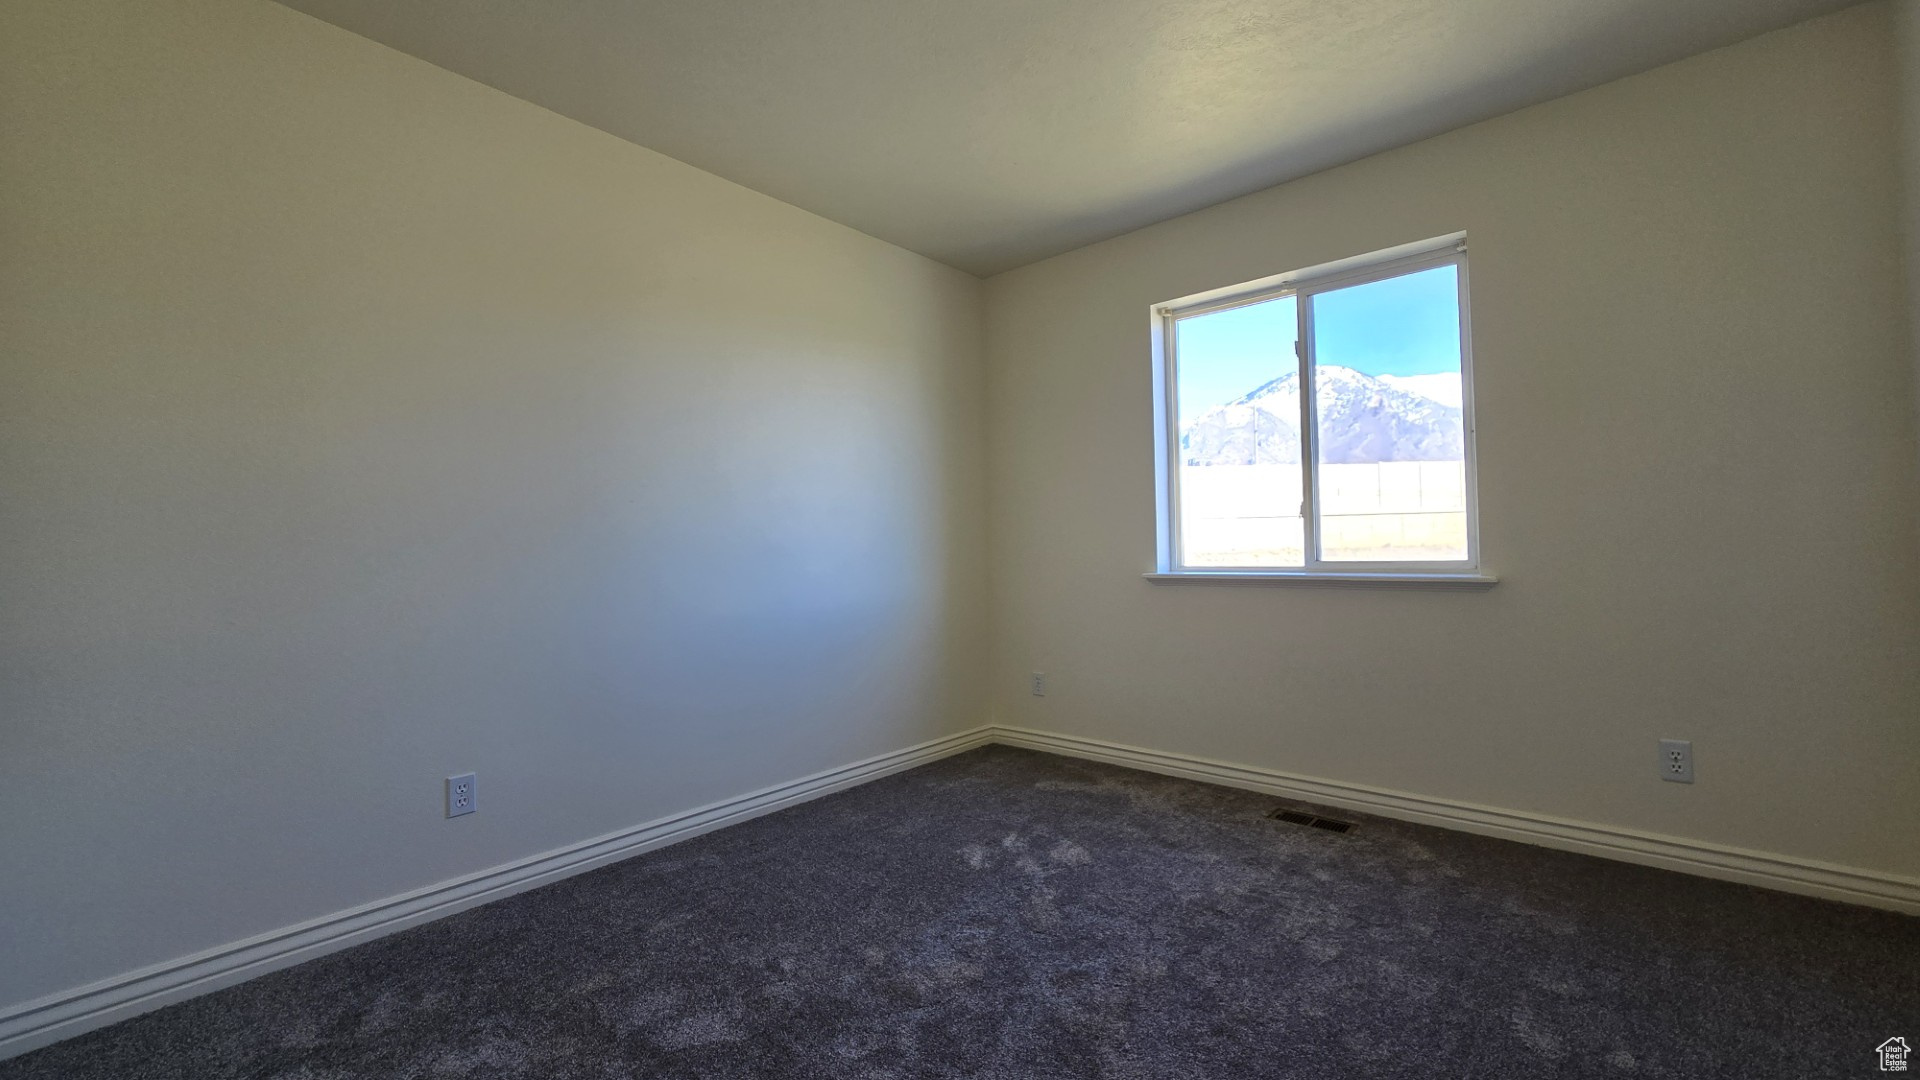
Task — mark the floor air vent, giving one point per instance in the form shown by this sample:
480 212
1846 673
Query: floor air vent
1295 817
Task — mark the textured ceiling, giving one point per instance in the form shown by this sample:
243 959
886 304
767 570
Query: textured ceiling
991 133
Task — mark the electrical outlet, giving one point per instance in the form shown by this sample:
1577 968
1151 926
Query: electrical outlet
1039 684
463 794
1676 761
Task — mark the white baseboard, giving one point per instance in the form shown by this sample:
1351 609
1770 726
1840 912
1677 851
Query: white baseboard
59 1016
1782 872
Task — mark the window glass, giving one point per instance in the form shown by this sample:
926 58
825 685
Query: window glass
1237 388
1390 438
1376 473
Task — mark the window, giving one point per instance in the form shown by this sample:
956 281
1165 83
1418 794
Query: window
1319 425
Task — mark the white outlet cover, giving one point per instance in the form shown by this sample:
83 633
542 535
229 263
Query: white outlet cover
463 794
1676 761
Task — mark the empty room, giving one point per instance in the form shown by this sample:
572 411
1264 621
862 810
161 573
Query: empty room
1023 540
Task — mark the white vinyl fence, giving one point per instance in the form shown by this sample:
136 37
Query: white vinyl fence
1249 515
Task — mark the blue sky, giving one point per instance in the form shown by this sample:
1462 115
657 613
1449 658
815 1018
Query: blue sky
1407 325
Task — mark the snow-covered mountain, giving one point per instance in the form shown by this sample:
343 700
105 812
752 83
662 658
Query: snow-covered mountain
1443 387
1363 419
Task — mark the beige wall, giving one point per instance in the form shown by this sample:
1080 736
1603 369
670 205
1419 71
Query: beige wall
359 425
1907 43
1687 312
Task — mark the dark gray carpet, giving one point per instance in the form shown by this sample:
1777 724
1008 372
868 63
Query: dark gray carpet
1014 915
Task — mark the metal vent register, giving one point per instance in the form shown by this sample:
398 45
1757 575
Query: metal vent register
1295 817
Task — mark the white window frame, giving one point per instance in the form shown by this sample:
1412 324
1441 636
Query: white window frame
1304 284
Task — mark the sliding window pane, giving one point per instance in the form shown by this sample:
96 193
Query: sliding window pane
1391 438
1237 393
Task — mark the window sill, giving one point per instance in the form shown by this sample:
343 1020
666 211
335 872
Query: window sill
1472 580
